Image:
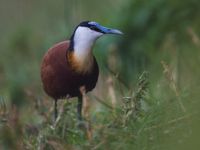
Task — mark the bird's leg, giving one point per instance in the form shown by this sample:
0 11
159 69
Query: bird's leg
85 101
55 110
58 115
85 112
79 107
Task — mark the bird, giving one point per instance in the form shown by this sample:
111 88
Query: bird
70 64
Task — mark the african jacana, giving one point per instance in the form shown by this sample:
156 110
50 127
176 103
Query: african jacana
69 65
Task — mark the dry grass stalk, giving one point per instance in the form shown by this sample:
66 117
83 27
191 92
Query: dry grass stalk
168 73
102 102
14 128
171 121
194 36
99 145
60 114
132 105
117 76
111 92
3 107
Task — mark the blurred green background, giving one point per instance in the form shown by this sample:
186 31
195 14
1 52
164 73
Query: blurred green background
154 66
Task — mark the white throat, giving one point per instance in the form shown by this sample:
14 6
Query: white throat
84 39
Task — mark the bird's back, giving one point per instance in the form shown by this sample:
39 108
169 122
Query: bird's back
58 77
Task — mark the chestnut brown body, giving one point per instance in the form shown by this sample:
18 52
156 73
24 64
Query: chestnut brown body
60 78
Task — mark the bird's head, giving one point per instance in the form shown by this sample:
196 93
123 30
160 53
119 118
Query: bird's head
82 41
94 29
89 31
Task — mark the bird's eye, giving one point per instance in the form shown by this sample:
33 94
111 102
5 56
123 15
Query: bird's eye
93 28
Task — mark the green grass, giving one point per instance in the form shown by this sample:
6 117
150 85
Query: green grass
139 120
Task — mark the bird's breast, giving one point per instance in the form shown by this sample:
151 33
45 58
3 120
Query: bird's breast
81 64
62 73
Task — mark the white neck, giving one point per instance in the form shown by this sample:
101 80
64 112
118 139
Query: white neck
82 47
84 39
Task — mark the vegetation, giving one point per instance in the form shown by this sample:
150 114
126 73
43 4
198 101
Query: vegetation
147 96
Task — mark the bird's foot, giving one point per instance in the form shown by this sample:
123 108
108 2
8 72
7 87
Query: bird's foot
81 124
86 127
